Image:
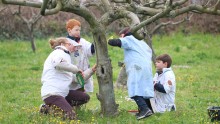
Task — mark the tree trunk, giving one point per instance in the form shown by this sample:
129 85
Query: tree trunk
148 38
33 46
122 78
106 94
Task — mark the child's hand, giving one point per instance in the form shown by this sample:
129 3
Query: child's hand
94 67
169 82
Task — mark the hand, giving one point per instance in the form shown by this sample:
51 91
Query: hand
111 37
169 82
94 67
81 72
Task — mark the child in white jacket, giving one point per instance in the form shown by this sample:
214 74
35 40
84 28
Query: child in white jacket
80 58
164 85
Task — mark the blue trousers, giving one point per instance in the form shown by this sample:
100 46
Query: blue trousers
142 103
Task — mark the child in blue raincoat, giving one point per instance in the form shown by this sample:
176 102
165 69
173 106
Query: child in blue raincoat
138 64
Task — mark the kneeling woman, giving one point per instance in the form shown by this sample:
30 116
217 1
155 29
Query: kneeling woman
58 75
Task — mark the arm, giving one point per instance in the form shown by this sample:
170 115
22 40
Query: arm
159 87
60 63
89 72
169 84
86 74
114 42
67 67
88 48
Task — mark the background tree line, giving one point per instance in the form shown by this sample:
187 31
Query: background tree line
13 27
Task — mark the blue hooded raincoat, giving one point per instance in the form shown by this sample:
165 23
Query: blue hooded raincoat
137 59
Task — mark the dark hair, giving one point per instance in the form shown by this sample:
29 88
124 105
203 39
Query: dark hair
126 31
165 58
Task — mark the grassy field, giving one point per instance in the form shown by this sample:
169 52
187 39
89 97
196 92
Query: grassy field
195 63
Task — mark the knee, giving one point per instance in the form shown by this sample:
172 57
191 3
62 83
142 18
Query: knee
87 98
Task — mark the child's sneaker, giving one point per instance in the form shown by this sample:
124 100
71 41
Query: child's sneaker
143 114
43 109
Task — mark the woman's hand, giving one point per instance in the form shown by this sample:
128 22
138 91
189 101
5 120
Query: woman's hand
81 72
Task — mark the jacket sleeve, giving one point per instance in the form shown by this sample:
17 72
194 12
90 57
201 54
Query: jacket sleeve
65 66
159 87
169 85
87 74
60 63
114 42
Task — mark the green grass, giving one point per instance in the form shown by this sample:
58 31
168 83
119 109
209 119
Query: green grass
195 63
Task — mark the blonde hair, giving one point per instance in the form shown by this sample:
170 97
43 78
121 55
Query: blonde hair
57 42
71 23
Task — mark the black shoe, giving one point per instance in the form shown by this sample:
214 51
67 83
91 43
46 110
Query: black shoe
143 114
43 109
137 112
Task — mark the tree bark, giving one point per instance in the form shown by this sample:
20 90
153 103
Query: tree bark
33 46
106 94
122 78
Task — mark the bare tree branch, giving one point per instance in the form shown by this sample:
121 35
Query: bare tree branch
121 1
2 9
209 1
92 3
179 3
44 7
194 8
143 10
153 18
54 10
152 3
23 3
169 23
106 5
216 5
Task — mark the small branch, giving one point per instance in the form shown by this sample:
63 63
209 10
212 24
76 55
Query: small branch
208 3
179 3
134 18
22 3
121 1
36 18
2 9
151 3
54 10
106 4
44 7
195 9
168 3
88 4
144 10
216 5
169 23
153 18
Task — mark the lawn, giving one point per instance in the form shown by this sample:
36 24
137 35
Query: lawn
195 63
